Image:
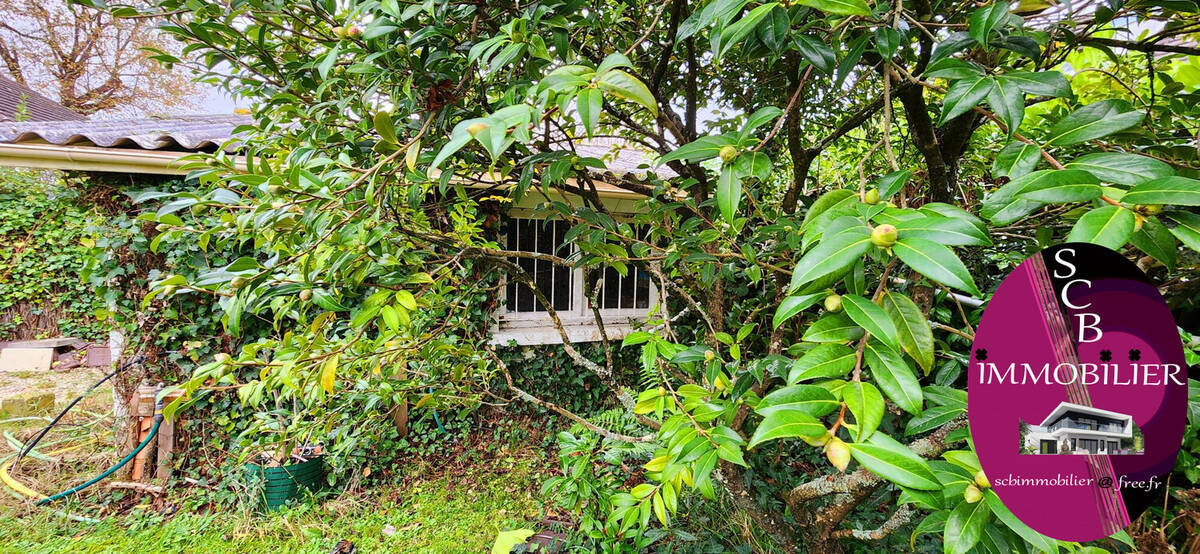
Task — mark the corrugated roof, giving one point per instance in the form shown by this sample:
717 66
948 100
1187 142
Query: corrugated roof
621 158
179 133
208 132
17 100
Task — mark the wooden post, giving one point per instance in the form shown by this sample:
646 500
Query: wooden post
144 410
166 444
139 462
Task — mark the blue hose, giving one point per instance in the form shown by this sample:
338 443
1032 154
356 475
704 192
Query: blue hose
153 431
437 419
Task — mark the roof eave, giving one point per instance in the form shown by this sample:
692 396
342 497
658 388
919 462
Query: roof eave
95 158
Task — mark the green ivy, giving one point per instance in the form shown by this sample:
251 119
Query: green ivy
43 231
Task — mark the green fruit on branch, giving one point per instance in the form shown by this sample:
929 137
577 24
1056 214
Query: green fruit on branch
238 282
353 31
339 32
729 153
222 358
1150 209
818 441
709 355
884 236
306 295
871 197
838 453
981 480
972 494
833 303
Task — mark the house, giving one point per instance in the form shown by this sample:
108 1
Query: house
154 146
20 103
1077 429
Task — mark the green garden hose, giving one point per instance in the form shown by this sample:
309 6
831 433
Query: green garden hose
153 432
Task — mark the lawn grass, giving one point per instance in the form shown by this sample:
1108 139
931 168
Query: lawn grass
451 513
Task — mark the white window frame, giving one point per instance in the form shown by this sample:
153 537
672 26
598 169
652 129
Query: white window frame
579 322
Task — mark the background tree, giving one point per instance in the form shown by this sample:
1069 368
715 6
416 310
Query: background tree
88 60
846 177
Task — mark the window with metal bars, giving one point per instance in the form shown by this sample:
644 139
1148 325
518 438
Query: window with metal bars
553 280
564 287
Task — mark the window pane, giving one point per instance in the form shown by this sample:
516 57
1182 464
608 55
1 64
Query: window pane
544 274
553 280
526 242
562 274
643 290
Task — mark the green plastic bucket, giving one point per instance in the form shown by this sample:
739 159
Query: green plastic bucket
276 486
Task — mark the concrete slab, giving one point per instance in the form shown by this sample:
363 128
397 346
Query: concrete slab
19 359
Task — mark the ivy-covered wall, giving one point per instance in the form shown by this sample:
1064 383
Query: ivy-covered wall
44 238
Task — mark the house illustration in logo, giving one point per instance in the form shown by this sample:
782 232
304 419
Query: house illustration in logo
1077 429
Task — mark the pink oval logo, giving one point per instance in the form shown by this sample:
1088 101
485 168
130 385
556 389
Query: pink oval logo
1078 392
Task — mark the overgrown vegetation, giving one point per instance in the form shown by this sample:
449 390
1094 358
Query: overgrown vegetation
44 227
811 317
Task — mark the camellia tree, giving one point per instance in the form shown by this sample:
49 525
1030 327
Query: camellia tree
847 181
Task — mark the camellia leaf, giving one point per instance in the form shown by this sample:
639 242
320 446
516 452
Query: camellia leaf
893 461
816 52
729 191
933 523
738 30
383 126
964 95
1002 513
784 424
1060 185
1004 205
703 148
865 402
870 317
1041 83
1008 102
950 231
1122 168
825 360
773 31
966 526
1154 239
833 328
828 202
834 254
887 41
793 305
757 119
839 7
329 372
1108 226
985 19
912 329
892 183
589 103
1093 121
1016 159
1180 191
936 262
812 400
954 69
1186 229
894 376
932 418
626 86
